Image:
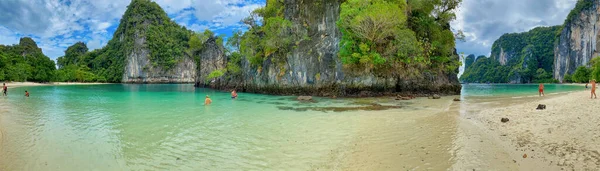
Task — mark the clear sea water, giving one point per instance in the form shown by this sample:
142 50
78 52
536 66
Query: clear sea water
167 127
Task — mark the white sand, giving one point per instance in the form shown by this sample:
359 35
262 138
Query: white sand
564 136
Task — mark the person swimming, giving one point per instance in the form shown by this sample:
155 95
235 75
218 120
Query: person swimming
207 101
234 94
26 93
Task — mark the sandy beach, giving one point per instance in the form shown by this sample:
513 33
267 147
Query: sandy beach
564 136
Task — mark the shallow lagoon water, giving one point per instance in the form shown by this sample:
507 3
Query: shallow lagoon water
167 127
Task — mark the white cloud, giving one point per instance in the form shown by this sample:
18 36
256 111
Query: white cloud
57 24
484 21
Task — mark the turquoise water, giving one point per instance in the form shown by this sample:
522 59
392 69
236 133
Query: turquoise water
483 90
168 127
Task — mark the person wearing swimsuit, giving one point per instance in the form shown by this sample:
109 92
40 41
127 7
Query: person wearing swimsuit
4 89
234 95
593 93
541 89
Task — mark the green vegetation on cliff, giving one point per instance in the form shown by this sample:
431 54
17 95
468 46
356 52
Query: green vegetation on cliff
392 37
583 74
25 62
469 60
144 24
528 57
389 38
580 6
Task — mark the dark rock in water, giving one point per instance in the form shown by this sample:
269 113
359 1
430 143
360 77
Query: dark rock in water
178 158
504 120
541 107
406 98
456 99
371 107
304 98
364 94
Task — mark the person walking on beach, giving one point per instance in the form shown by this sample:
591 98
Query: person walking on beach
26 93
541 89
208 101
4 89
593 94
234 95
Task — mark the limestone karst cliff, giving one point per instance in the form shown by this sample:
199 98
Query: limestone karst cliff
578 42
313 65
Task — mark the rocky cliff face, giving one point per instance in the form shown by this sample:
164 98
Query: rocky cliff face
314 68
139 68
212 58
578 41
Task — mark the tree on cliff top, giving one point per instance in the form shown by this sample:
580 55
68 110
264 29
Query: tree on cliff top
398 37
25 62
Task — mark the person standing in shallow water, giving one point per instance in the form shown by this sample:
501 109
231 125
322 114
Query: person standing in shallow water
4 89
593 93
541 89
207 101
234 94
26 93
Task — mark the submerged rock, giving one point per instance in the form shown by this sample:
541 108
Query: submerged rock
456 99
435 96
504 120
304 98
372 107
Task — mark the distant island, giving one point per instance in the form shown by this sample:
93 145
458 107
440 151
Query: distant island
558 54
329 48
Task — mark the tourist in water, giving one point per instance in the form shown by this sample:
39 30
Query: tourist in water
586 85
234 95
541 89
4 89
26 93
593 94
207 101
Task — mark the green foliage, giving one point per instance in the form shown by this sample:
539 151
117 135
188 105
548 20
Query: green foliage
215 74
73 55
469 60
595 70
272 40
398 37
527 53
568 78
235 40
234 64
166 41
486 70
25 62
581 75
580 6
367 27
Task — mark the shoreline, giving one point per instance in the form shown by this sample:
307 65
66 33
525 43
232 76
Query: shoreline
28 84
563 136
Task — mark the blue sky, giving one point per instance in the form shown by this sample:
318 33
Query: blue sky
57 24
